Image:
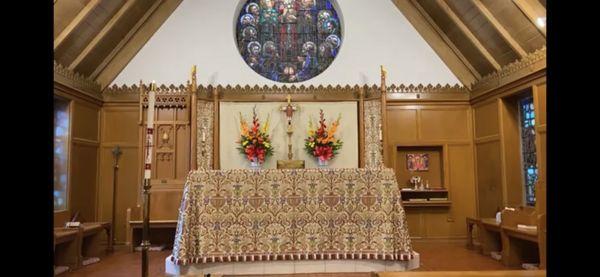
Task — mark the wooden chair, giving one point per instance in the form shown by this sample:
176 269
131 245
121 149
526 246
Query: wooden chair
519 246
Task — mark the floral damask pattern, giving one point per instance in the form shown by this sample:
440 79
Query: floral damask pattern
373 146
204 140
252 215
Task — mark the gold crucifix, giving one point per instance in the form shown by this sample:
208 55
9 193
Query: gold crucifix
289 110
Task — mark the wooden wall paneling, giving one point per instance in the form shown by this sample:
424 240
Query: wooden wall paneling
437 224
461 182
416 225
437 165
510 148
488 174
121 125
418 124
539 101
444 124
83 155
489 177
128 186
486 119
183 153
401 123
86 118
193 124
84 166
165 203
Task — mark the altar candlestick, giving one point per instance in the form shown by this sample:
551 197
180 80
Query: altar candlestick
147 175
149 132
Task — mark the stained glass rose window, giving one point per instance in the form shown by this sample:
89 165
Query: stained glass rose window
288 40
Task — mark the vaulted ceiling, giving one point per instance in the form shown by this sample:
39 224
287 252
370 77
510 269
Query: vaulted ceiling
474 38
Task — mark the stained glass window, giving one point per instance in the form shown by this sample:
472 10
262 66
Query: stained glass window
530 170
61 153
288 40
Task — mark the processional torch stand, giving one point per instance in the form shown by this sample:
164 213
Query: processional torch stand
147 175
116 153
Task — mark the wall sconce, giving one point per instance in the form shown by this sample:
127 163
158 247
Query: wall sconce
165 137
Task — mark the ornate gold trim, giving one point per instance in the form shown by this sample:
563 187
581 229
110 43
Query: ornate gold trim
169 97
420 88
75 80
529 64
369 91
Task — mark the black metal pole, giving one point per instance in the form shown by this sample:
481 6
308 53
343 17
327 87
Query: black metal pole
116 153
146 228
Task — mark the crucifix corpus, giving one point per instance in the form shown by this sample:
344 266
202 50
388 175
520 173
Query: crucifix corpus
289 110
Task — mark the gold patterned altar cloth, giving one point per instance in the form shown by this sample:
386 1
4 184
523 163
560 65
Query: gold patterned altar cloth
296 214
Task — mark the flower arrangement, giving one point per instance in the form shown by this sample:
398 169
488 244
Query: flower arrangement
321 142
254 141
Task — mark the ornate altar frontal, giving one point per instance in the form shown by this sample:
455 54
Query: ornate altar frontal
305 214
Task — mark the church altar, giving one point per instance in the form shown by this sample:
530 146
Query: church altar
243 215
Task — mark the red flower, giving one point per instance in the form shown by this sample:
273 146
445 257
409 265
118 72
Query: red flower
255 153
324 153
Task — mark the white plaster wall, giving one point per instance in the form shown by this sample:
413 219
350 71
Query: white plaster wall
201 32
229 128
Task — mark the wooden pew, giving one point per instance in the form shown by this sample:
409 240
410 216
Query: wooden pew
67 247
519 246
93 239
542 230
161 231
489 235
471 222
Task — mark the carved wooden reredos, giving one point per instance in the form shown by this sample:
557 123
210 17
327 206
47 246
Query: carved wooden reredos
193 123
194 116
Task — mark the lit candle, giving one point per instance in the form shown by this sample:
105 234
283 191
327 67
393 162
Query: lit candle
149 131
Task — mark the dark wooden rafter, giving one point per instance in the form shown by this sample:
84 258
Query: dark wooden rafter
465 30
81 16
102 34
445 38
125 39
533 9
503 32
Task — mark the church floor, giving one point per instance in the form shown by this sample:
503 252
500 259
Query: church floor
435 256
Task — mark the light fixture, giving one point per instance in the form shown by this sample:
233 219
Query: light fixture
541 22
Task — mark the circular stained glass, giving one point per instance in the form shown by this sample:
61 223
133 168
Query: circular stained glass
288 41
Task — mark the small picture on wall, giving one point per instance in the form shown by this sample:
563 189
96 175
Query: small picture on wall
417 162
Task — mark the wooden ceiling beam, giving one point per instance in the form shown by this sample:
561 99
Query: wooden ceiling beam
100 36
500 28
533 9
439 41
465 30
125 39
138 36
81 16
